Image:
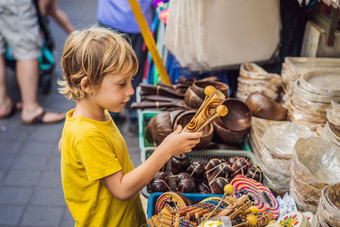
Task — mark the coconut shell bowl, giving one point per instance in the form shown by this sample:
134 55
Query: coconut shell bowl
234 127
208 131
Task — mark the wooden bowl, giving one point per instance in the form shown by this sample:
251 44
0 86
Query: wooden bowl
159 127
238 117
199 86
208 131
228 136
191 99
265 108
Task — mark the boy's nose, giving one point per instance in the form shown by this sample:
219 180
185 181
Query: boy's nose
131 90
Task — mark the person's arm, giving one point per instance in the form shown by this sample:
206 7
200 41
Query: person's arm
126 186
50 7
59 144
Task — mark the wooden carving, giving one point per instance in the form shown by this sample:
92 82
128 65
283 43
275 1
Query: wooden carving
210 109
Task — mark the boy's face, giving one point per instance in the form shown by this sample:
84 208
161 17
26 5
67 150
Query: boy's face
114 92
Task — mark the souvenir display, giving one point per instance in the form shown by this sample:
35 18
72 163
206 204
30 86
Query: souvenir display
312 95
328 211
261 196
276 155
240 212
173 199
253 78
294 67
187 176
229 118
258 127
295 135
311 171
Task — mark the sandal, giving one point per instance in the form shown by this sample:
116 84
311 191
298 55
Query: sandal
13 110
39 120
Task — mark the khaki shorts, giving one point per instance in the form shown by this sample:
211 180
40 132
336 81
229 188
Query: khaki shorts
19 29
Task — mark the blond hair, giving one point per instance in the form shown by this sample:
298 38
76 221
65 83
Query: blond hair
94 52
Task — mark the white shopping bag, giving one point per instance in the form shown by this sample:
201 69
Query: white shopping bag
207 35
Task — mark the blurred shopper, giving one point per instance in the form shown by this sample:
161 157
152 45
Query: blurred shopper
19 29
118 15
50 8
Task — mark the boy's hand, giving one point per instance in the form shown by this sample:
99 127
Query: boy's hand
178 143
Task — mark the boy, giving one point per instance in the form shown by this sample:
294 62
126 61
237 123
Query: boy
100 184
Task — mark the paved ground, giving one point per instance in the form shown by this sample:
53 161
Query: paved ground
30 185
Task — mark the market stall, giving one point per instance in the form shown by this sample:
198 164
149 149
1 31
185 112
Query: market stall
269 156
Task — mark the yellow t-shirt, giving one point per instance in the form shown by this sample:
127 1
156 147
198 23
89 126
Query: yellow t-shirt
92 150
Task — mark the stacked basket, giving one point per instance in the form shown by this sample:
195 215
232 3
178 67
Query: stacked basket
328 212
331 131
312 95
315 164
277 153
253 78
294 67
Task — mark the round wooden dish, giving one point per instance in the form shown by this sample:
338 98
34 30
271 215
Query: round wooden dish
191 99
238 117
228 136
199 86
263 107
208 131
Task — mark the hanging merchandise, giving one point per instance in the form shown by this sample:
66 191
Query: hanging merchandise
210 35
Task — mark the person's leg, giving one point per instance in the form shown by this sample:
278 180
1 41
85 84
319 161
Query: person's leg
5 101
27 73
50 7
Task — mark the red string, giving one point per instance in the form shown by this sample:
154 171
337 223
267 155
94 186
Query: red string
241 167
165 184
186 179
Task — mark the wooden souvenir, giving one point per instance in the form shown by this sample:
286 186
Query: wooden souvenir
261 196
186 185
217 175
264 219
240 166
199 87
173 199
159 185
179 163
255 173
263 107
250 221
196 170
210 109
173 182
212 163
217 185
203 188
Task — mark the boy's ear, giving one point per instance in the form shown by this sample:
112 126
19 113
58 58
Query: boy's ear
85 85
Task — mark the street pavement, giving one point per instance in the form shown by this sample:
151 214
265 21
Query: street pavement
30 186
